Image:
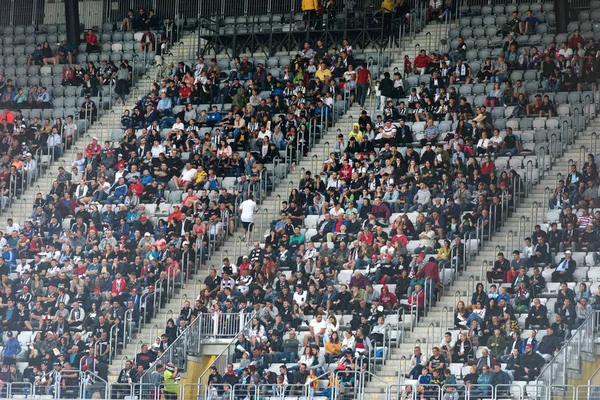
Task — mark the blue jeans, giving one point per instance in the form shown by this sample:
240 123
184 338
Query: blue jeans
553 86
473 316
498 78
281 357
509 152
55 151
361 90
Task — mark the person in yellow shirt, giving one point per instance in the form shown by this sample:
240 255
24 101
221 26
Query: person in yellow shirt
323 73
387 11
310 7
201 176
170 387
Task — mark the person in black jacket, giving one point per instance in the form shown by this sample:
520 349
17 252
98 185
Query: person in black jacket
386 86
537 283
559 327
538 315
568 313
564 269
549 344
563 293
514 343
531 364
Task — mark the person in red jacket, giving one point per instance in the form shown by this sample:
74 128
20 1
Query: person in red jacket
429 270
91 40
92 150
119 285
176 214
487 167
417 298
136 186
575 40
387 299
421 62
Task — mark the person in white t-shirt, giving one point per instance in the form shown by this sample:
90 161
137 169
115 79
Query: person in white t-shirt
247 210
317 327
188 177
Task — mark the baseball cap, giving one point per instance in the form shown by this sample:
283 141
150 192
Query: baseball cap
143 218
123 237
528 346
568 252
421 255
151 287
147 234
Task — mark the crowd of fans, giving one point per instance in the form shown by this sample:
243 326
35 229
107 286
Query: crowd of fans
451 183
97 245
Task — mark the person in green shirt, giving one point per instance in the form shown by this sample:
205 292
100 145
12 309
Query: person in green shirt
171 388
497 344
297 238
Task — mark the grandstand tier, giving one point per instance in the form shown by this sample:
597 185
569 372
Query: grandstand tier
389 203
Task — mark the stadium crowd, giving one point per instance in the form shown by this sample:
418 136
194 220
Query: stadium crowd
94 244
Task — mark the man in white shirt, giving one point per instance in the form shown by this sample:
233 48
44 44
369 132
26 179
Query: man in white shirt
79 162
178 125
188 176
299 296
11 226
247 209
157 149
70 129
317 328
55 145
30 167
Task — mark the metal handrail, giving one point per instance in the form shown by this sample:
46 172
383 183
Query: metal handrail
430 340
470 286
227 347
534 215
484 267
444 316
510 234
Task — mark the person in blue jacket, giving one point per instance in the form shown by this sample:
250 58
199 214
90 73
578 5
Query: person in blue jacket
11 349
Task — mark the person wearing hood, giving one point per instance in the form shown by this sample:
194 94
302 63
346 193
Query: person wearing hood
387 299
355 133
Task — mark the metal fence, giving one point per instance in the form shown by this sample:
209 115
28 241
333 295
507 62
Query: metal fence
95 12
570 357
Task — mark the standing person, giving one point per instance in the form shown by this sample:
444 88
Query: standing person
247 210
312 381
122 86
310 8
363 83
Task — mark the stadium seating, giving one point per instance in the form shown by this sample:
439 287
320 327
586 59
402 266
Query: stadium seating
432 196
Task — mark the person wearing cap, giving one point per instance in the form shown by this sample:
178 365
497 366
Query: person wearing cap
564 269
12 348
